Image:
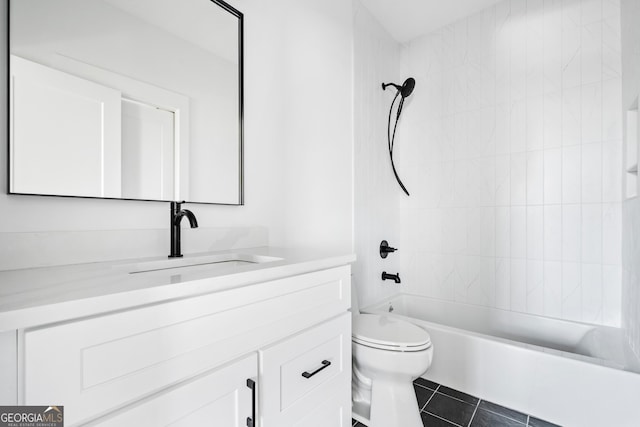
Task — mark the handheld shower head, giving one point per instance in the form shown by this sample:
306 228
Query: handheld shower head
405 90
407 87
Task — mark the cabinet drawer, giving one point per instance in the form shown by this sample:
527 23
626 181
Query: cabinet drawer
300 373
310 369
94 366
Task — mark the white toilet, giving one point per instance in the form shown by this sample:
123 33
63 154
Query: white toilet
388 354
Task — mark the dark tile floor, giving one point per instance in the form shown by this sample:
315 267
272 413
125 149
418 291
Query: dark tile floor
442 406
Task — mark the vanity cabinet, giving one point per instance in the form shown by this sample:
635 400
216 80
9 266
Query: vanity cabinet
169 362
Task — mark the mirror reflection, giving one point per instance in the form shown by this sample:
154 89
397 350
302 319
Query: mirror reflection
126 99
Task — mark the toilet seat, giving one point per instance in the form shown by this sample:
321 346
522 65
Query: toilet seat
388 333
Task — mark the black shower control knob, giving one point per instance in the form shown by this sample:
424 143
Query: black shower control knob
385 249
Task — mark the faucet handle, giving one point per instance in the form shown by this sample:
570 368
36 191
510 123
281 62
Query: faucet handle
385 249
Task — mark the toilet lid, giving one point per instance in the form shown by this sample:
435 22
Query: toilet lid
389 333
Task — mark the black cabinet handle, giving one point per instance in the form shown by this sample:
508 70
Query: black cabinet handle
325 364
251 420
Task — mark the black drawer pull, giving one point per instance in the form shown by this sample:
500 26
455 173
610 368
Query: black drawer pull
325 364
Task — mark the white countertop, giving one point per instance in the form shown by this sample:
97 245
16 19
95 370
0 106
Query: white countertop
38 296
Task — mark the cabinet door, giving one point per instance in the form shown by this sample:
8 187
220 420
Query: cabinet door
219 398
305 380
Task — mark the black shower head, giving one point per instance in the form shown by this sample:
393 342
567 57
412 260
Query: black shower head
406 89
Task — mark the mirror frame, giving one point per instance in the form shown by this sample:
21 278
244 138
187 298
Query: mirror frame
226 7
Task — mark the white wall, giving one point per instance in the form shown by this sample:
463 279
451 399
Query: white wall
291 196
511 149
376 195
315 92
631 208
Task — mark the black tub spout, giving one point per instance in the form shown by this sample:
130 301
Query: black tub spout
394 277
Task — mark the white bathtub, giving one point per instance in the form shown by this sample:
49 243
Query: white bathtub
569 373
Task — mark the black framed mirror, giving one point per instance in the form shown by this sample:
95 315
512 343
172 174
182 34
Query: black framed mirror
121 99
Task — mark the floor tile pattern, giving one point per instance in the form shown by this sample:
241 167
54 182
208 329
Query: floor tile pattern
441 406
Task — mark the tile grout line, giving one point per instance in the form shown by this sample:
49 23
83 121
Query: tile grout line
443 419
460 400
431 397
424 386
528 417
474 412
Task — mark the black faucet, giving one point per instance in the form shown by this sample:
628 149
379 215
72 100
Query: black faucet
176 217
394 277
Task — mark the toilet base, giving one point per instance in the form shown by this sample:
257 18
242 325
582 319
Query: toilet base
400 406
387 401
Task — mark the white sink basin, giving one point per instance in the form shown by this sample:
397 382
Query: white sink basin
201 263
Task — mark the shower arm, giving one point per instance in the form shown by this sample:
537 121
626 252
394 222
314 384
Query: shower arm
386 85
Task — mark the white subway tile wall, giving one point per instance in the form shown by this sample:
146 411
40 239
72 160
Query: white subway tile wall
511 145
